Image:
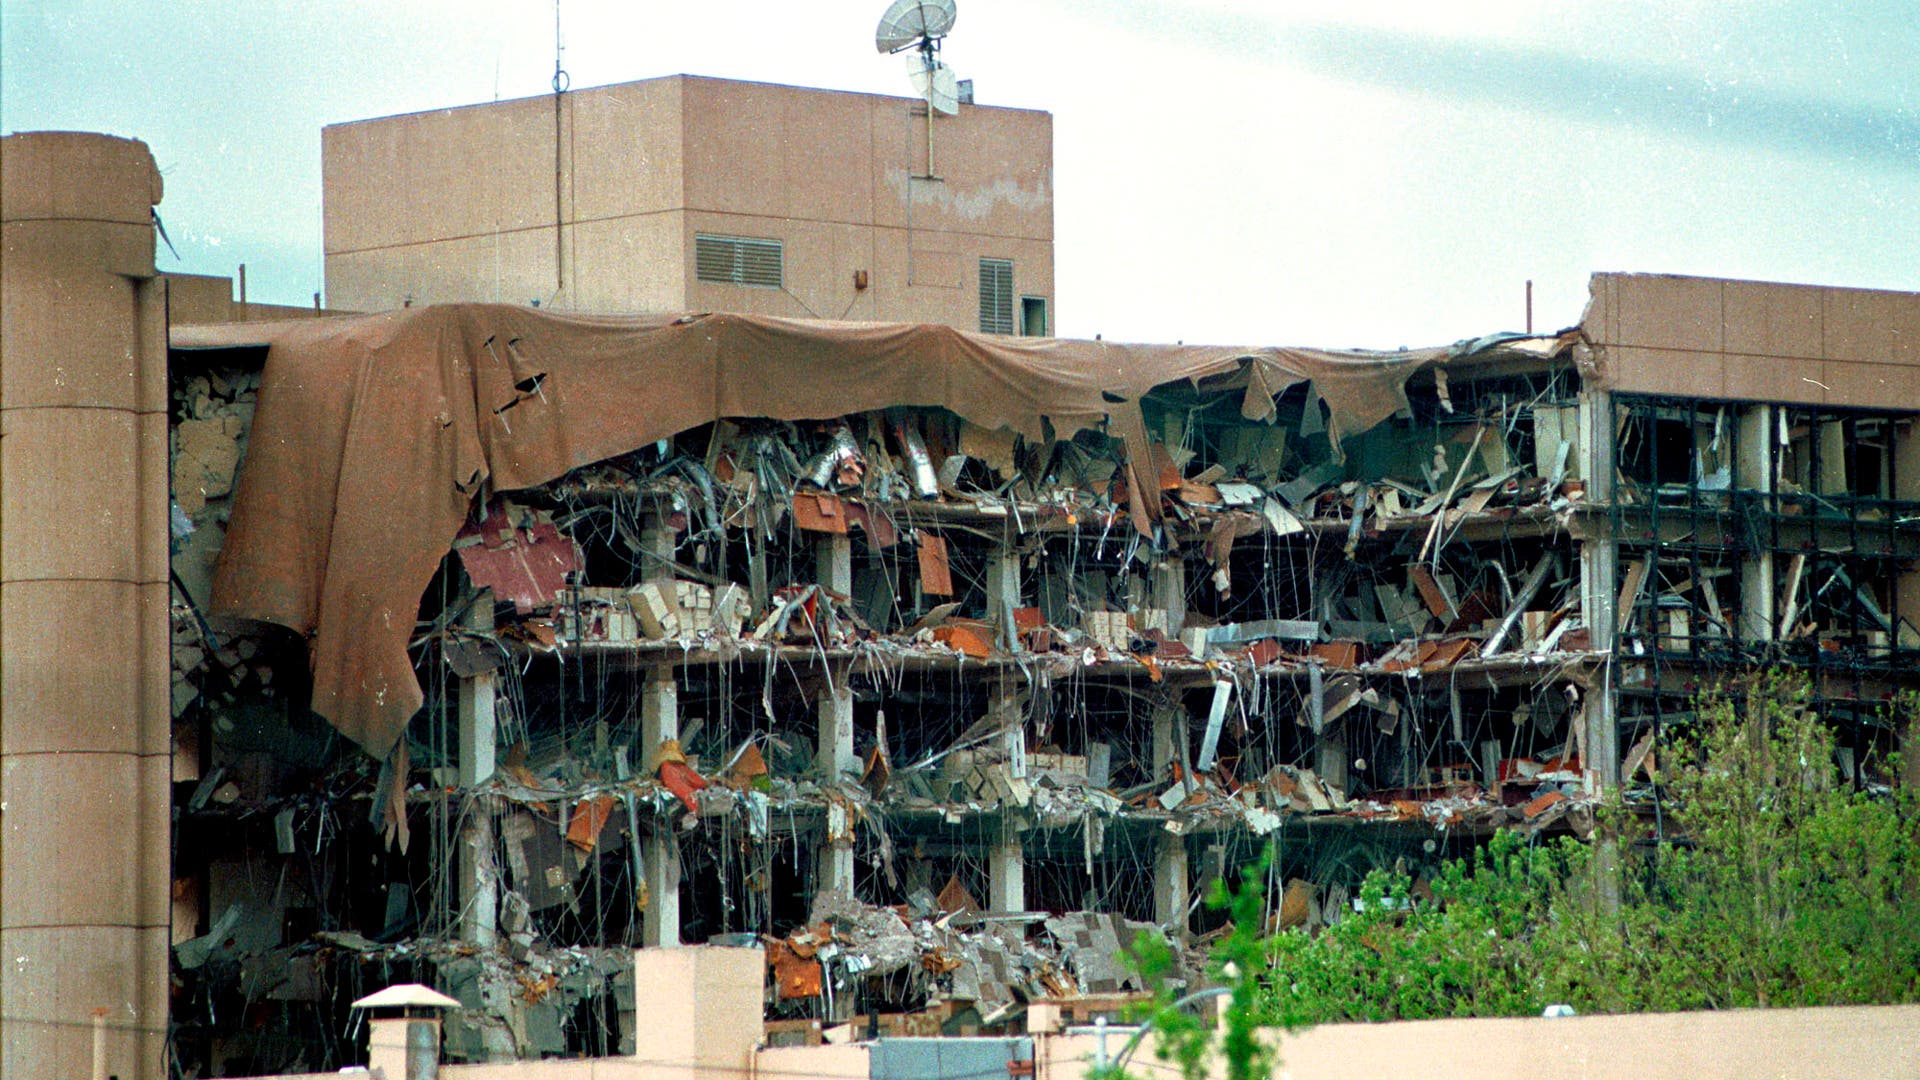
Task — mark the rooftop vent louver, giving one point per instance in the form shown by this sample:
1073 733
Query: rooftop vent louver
737 260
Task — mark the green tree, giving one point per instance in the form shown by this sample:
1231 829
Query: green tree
1474 950
1775 884
1237 964
1781 886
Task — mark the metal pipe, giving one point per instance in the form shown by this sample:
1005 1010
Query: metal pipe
99 1044
1140 1033
1520 601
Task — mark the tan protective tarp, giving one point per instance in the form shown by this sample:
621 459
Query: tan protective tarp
372 434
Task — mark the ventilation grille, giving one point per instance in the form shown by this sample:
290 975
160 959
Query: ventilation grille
736 260
996 296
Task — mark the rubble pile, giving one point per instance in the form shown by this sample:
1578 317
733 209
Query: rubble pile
962 967
212 414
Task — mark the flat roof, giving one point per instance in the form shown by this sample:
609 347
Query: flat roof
683 76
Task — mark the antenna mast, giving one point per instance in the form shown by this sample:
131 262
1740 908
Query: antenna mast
920 25
561 81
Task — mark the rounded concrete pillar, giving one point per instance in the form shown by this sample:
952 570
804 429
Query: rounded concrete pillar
84 716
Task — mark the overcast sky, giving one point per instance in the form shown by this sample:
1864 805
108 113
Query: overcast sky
1362 173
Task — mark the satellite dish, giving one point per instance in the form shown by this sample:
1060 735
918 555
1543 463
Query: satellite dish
919 25
911 23
935 82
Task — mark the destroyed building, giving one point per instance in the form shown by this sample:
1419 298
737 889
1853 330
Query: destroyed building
939 664
943 664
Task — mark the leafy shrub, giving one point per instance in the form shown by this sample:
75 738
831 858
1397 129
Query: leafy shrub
1777 885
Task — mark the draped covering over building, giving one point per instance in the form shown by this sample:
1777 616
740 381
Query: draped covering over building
401 418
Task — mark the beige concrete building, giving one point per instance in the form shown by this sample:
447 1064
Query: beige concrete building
695 194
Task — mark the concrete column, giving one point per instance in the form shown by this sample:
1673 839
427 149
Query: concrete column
1754 472
659 851
757 569
659 721
1330 755
1169 725
833 761
659 711
833 857
657 541
1599 555
1006 861
1170 898
1007 876
479 877
1139 589
1330 751
833 563
478 725
1170 889
1599 607
917 874
1598 603
1596 445
1003 594
1599 582
1006 703
85 720
833 754
1169 590
833 747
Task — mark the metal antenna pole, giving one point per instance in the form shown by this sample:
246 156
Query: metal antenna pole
926 51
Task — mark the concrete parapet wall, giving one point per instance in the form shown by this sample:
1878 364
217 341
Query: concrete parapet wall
1863 1041
1755 340
1860 1041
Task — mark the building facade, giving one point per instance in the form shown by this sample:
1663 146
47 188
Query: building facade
696 194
